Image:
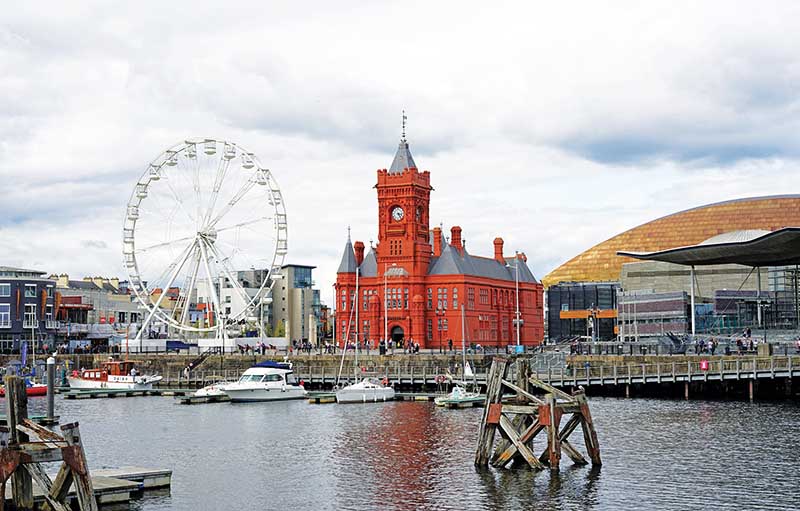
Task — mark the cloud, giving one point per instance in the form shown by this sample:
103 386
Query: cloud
554 126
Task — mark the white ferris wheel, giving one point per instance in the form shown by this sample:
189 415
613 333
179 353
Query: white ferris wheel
204 211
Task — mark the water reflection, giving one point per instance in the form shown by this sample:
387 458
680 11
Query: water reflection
657 454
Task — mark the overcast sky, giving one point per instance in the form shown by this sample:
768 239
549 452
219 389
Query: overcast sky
555 125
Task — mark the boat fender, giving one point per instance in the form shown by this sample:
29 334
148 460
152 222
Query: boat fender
385 381
440 379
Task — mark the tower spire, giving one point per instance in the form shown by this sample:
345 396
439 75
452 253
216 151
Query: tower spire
405 118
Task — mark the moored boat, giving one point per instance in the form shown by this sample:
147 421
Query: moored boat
213 390
112 375
266 381
368 390
31 389
459 397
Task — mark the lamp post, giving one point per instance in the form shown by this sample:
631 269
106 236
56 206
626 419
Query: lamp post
517 321
439 316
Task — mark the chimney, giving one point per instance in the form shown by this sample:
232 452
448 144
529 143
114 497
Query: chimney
359 248
98 281
455 238
437 241
498 251
114 281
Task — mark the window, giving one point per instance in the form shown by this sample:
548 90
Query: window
228 299
455 298
484 296
471 298
405 298
344 300
30 290
5 315
430 330
5 289
365 300
430 298
29 321
441 298
227 311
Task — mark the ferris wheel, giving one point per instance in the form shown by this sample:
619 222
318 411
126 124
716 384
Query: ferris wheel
205 219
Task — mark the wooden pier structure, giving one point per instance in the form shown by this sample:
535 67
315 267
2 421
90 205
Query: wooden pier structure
521 419
26 445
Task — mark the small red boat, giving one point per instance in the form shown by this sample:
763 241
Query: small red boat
34 389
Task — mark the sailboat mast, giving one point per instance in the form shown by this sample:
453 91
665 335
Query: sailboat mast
463 344
356 302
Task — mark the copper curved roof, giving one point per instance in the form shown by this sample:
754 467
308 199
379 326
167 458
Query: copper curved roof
601 262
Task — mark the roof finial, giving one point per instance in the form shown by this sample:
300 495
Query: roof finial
405 118
348 233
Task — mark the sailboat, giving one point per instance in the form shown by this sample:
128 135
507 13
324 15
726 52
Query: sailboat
368 390
459 396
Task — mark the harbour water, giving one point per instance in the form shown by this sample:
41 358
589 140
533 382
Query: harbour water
657 454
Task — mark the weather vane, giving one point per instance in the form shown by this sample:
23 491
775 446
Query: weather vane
404 124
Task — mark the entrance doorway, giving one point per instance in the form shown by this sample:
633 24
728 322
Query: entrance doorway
397 334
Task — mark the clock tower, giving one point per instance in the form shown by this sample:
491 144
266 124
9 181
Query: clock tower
403 214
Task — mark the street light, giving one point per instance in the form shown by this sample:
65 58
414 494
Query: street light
517 320
439 315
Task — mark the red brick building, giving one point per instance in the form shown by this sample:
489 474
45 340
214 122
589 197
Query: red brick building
427 278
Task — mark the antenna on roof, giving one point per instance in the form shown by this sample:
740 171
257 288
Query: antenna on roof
405 118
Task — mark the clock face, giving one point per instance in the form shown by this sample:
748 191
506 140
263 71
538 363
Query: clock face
397 213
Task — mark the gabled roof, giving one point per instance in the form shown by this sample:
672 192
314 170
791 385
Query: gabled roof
348 264
369 266
451 262
402 158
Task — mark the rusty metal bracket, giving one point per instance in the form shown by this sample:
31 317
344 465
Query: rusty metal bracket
73 458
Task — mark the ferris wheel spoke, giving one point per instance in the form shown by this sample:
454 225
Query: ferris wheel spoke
222 169
164 244
214 305
190 288
244 224
175 272
230 274
231 203
179 200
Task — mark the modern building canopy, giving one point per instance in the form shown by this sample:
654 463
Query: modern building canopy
754 248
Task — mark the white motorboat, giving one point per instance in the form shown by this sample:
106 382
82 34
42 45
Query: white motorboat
368 390
112 375
266 381
213 390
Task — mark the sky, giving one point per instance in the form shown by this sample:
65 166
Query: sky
554 125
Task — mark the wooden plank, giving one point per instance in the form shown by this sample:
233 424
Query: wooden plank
553 439
17 409
522 449
61 483
495 412
589 433
494 393
522 392
40 431
550 389
43 480
520 409
82 481
502 458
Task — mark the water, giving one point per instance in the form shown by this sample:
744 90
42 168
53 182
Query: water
657 454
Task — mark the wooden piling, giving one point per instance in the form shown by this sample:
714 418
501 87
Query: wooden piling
521 418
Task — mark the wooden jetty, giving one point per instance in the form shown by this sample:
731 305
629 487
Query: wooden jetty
26 445
111 393
520 420
197 400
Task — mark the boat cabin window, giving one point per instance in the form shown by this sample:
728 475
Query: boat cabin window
250 378
273 377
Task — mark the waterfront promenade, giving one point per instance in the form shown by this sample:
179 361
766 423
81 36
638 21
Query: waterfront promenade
747 376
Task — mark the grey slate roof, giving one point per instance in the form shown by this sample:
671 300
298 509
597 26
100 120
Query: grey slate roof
451 262
348 264
402 159
369 266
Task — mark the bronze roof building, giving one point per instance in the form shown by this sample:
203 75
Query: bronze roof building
602 264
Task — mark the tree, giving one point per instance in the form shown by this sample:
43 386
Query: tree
280 331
